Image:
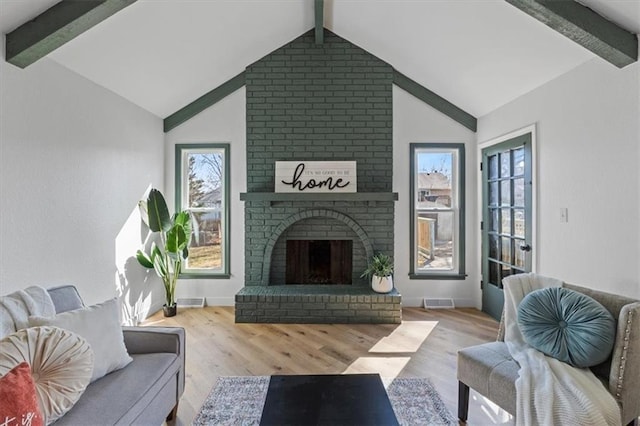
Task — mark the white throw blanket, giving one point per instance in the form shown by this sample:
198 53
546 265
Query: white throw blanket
16 308
548 391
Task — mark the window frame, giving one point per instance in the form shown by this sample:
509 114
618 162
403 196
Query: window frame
458 180
181 151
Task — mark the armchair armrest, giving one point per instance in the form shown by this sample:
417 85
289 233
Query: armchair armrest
145 340
624 378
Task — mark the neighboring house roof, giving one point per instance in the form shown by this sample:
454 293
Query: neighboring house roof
433 180
211 198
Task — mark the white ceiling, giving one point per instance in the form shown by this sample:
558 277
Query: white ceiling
478 54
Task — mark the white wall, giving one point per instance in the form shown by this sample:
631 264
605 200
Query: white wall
224 122
74 161
415 121
588 152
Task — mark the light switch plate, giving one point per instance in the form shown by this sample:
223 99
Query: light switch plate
564 215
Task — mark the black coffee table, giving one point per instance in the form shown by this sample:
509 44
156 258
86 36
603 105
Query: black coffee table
352 399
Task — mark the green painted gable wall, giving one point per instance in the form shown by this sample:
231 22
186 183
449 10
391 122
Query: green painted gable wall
328 102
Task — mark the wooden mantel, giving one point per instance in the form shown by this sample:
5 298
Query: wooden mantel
319 196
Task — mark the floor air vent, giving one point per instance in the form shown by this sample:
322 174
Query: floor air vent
438 303
191 302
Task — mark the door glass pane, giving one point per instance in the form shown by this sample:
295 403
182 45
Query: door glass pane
493 167
493 246
506 250
506 220
505 271
505 164
519 254
494 223
518 192
493 193
505 192
494 276
518 162
518 223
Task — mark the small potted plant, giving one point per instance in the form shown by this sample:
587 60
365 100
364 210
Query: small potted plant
380 269
167 258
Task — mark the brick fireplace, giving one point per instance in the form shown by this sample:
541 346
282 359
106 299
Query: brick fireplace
328 102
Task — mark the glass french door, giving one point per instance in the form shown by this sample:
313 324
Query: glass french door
507 217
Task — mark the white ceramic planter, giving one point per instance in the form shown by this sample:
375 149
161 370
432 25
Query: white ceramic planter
382 284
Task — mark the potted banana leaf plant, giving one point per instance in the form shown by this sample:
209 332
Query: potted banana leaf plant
167 257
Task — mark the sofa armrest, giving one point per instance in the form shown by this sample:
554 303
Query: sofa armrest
65 298
145 340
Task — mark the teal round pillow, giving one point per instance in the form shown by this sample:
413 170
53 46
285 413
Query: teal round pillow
567 325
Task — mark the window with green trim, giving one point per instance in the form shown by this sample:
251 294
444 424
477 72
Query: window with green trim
437 211
202 189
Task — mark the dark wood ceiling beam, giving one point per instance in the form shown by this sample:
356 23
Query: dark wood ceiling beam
319 15
56 26
435 101
203 102
585 27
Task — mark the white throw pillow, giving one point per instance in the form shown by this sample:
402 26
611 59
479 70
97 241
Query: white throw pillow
100 325
61 365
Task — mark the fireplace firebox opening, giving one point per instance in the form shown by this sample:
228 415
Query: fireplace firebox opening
319 262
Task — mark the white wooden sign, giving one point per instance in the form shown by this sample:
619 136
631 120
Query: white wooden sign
316 176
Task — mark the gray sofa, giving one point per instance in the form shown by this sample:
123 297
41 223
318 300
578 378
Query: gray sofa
145 392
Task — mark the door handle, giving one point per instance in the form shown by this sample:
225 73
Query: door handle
525 247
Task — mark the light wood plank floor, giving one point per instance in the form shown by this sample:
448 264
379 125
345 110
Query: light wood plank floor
424 345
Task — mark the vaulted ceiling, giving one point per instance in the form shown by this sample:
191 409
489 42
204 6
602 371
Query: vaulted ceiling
163 54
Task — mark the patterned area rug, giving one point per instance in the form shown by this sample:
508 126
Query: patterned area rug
239 401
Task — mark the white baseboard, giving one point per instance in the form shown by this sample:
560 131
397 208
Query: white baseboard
220 301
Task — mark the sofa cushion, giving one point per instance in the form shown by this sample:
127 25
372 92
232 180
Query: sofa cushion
18 401
61 363
100 325
567 325
133 395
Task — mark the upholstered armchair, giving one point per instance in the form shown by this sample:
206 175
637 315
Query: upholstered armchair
491 371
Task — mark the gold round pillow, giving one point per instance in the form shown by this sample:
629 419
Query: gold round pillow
61 365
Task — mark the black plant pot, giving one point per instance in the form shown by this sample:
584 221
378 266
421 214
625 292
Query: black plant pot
169 311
